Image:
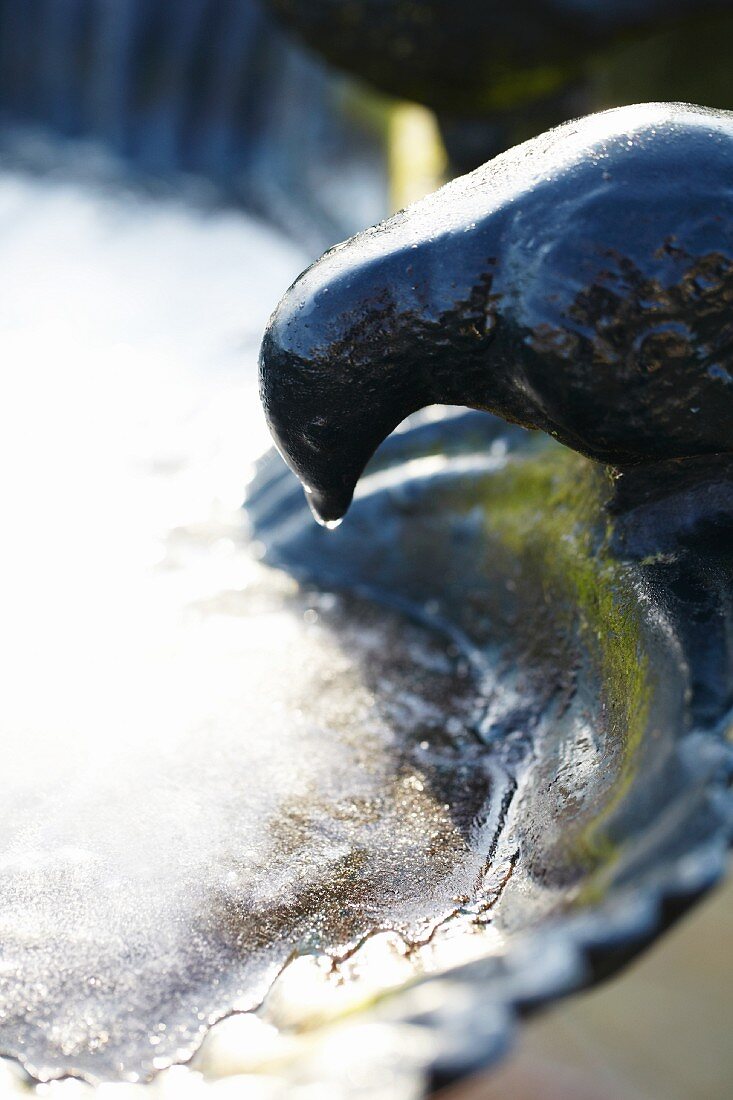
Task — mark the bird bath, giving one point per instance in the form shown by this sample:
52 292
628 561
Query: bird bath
308 808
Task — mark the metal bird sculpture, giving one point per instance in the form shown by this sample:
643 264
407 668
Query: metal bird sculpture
581 283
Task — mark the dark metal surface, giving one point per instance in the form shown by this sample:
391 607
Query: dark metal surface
579 283
597 617
599 652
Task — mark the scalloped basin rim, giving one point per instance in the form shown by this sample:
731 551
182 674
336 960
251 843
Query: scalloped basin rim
621 814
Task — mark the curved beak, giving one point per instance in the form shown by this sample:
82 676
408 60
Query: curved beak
304 418
325 424
332 384
397 318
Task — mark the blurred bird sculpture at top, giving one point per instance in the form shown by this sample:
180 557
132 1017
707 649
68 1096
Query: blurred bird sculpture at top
581 283
489 69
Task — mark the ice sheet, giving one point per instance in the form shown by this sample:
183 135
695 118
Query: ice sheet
205 769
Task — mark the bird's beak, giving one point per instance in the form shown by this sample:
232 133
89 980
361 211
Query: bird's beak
332 381
325 425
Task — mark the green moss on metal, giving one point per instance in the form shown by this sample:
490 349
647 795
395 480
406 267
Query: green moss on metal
547 512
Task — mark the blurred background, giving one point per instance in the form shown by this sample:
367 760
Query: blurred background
266 132
325 113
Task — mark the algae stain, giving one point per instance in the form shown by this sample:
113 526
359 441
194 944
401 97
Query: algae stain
547 512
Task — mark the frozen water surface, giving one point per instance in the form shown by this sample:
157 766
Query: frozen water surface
205 768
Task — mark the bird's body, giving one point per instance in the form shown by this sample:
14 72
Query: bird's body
581 283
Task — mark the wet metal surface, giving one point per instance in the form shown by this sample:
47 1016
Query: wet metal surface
206 769
237 745
579 283
597 612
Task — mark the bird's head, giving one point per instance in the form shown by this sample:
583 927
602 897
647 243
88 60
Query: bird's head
337 373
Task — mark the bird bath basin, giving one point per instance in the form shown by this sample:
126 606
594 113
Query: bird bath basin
307 808
255 765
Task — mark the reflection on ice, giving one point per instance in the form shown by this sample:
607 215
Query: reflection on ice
205 769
